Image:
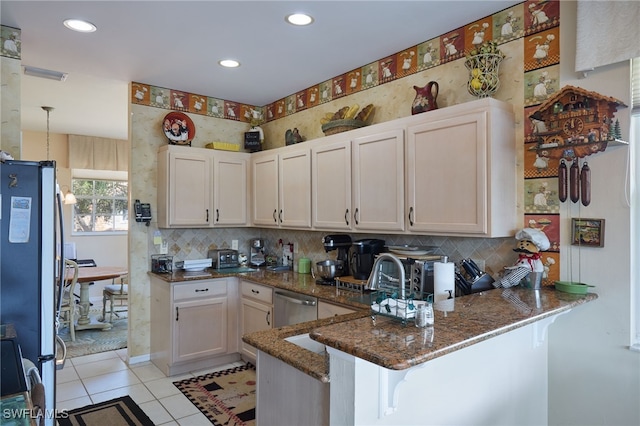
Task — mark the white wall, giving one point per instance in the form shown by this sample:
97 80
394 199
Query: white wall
594 379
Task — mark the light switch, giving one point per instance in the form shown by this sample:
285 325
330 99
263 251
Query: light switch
234 244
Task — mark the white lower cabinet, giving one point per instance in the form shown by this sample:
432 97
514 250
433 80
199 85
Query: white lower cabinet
328 310
256 314
194 324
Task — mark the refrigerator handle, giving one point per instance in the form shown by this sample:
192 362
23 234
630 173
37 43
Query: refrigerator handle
61 264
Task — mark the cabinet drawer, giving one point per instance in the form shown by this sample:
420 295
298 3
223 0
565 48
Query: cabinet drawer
257 292
199 290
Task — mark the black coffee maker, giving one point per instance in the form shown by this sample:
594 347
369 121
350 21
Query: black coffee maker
342 243
363 256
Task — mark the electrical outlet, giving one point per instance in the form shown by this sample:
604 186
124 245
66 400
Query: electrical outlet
480 263
234 244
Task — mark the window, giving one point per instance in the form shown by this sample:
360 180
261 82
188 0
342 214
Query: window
635 207
102 206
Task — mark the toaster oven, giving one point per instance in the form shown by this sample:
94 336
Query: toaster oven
224 258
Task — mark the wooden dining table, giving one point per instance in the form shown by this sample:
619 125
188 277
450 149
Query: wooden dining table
86 276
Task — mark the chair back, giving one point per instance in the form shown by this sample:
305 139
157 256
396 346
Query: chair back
71 277
124 279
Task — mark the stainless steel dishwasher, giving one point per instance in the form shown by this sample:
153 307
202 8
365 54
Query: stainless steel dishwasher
293 308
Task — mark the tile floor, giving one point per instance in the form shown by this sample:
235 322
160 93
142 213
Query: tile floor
100 377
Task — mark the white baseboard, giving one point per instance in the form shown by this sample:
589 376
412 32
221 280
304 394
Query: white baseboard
139 359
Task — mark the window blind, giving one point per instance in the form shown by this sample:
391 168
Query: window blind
635 86
607 32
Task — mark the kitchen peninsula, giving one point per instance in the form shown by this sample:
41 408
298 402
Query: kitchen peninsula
485 362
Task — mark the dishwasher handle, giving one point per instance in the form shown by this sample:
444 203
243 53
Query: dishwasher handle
304 302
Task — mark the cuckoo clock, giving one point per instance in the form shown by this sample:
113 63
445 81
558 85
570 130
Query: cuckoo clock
575 123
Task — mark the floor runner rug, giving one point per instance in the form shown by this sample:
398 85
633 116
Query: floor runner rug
116 412
226 397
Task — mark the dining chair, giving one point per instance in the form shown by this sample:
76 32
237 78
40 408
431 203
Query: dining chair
68 306
115 292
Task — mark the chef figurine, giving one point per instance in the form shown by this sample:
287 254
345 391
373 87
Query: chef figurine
530 243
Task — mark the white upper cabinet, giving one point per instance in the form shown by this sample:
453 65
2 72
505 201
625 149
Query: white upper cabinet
230 185
331 185
282 187
461 173
200 188
184 188
378 181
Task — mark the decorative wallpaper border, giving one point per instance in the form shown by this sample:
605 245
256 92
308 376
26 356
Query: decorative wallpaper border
540 20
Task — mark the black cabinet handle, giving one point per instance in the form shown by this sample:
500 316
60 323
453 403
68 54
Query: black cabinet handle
255 291
280 216
217 215
274 216
346 217
177 314
198 290
269 318
355 215
207 215
410 216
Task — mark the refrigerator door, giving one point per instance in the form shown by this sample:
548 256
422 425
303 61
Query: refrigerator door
28 262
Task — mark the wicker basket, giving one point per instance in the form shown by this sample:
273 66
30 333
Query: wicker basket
339 126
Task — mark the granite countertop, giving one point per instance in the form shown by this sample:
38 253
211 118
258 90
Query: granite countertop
287 280
386 341
475 318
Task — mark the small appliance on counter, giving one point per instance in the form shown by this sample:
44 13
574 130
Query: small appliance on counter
224 258
194 265
161 264
363 256
256 252
329 269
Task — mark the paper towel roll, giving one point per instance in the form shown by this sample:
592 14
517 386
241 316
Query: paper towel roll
443 280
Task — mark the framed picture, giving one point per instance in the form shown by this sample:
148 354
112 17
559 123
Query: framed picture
587 232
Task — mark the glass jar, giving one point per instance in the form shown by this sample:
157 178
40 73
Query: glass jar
424 315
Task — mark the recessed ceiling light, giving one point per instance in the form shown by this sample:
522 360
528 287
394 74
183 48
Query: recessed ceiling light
229 63
79 25
299 19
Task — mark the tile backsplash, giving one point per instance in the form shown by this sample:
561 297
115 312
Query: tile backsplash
195 243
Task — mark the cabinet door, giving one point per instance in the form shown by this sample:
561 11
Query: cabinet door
200 329
328 310
447 175
378 181
265 189
230 190
255 317
184 190
331 171
295 189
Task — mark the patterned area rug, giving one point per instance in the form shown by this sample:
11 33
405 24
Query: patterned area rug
226 397
95 340
116 412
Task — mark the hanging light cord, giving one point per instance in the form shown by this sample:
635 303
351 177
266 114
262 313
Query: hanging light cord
48 109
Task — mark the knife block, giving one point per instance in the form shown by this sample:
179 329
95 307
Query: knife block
482 283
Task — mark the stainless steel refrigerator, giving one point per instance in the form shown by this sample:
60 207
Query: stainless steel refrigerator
31 268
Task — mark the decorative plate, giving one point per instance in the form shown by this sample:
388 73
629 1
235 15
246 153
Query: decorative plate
178 128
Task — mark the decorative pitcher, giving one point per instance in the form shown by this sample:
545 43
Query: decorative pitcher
425 98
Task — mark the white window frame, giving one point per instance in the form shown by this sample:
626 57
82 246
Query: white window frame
635 206
107 175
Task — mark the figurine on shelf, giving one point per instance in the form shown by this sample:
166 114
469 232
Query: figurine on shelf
293 136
